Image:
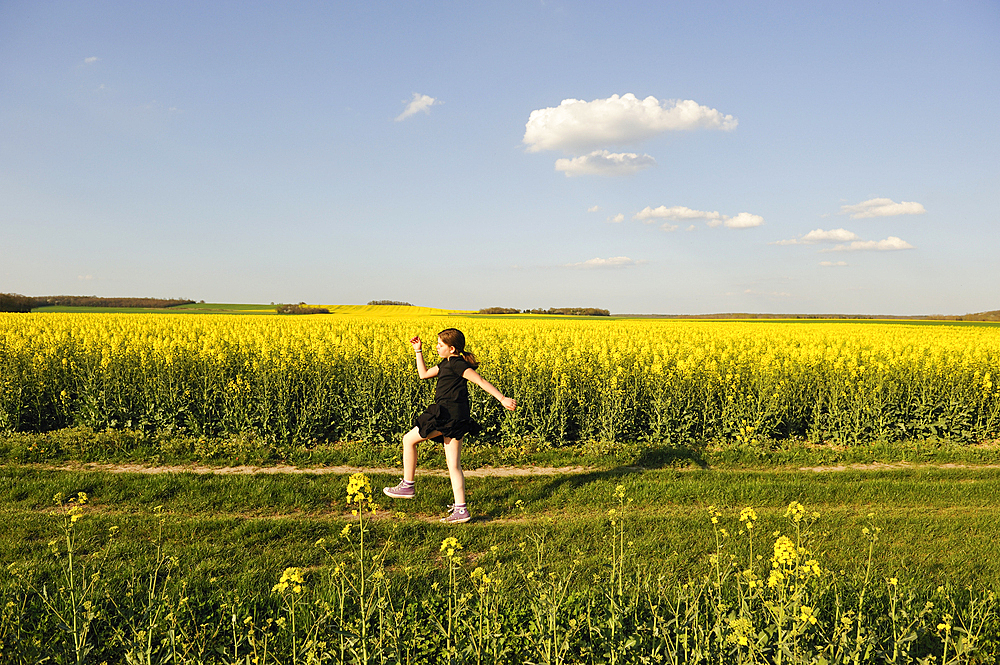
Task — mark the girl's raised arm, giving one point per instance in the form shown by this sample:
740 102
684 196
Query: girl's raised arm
472 375
422 370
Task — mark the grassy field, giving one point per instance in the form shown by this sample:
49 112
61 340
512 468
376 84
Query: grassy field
222 541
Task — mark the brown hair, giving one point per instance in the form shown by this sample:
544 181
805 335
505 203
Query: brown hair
454 337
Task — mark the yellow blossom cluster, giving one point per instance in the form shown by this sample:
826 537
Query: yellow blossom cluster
450 547
291 578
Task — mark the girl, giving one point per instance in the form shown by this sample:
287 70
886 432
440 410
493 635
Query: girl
447 420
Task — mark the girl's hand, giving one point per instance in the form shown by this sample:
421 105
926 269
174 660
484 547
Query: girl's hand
417 344
508 403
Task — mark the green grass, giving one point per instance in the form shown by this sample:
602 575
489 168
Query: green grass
939 524
82 444
227 538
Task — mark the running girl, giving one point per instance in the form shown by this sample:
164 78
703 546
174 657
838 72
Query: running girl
447 420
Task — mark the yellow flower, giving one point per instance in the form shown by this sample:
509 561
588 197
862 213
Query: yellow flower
449 546
796 511
290 578
359 489
785 552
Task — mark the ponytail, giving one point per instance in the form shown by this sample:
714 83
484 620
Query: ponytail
454 337
470 358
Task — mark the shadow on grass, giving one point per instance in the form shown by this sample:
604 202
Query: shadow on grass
671 456
554 491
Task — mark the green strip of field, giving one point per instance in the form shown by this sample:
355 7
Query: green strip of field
83 444
938 525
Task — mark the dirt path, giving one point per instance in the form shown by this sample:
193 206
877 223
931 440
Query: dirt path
246 470
895 466
486 471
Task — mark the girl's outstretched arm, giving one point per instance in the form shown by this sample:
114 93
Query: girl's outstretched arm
472 375
422 370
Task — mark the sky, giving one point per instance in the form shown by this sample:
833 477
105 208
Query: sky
642 157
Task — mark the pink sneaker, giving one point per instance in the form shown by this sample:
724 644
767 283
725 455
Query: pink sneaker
401 491
459 515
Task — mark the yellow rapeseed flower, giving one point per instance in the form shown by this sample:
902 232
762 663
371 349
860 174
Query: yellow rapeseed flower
292 579
785 552
449 546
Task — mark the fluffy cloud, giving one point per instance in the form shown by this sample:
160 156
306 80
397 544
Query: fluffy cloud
91 60
602 162
882 208
613 262
890 244
593 208
417 104
617 219
819 235
833 264
675 213
744 220
575 125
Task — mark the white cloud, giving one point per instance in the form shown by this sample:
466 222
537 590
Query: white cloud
576 125
833 264
613 262
602 162
91 60
85 278
890 244
668 227
819 235
744 220
617 219
675 213
417 104
882 208
593 208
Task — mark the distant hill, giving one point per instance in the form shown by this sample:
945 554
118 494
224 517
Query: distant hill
980 316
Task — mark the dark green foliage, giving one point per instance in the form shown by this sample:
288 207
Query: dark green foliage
14 302
390 302
573 311
499 310
301 308
94 301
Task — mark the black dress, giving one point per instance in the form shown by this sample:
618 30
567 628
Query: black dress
449 414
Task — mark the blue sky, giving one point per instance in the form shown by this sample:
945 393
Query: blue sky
827 157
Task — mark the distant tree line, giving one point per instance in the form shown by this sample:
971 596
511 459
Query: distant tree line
301 308
13 302
390 302
94 301
571 311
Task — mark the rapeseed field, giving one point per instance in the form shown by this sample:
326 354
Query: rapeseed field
352 377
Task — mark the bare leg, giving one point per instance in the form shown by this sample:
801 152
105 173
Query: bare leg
410 441
453 453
